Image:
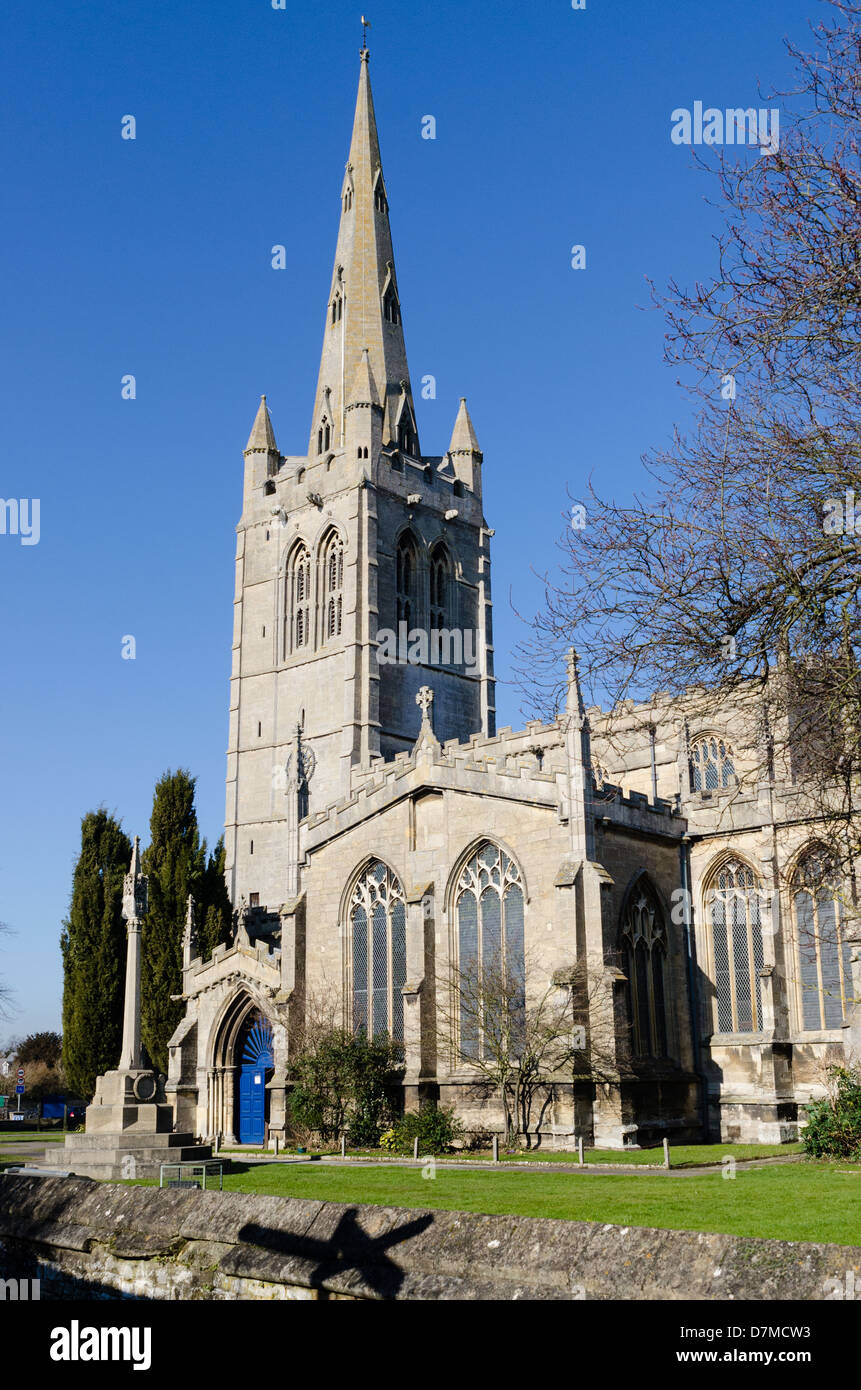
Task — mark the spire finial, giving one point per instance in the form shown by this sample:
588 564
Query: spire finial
366 24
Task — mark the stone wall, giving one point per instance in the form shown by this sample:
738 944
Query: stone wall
101 1240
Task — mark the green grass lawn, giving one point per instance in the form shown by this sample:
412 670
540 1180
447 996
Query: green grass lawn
797 1201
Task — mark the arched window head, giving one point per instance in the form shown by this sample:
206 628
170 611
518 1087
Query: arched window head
406 565
332 586
734 909
644 946
297 607
440 582
324 436
337 307
491 966
712 764
378 947
824 969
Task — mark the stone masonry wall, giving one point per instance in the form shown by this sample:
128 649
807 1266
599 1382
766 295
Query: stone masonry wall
101 1240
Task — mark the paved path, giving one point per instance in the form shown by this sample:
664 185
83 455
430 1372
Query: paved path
34 1148
601 1169
31 1148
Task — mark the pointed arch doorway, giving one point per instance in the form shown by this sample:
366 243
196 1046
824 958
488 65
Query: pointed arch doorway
243 1050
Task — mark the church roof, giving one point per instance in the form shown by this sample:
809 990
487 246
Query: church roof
363 309
262 434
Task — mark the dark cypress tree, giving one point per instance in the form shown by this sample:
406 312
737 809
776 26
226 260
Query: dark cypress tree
214 913
93 944
175 863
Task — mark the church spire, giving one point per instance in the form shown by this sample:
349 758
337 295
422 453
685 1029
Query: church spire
364 309
464 439
262 434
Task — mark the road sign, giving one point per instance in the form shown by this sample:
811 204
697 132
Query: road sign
20 1089
2 1102
20 1074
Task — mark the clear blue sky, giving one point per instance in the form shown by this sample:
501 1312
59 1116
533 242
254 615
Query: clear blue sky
152 257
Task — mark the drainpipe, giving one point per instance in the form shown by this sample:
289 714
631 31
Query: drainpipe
693 998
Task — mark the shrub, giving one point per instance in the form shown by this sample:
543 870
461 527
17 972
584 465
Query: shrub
436 1130
834 1123
343 1081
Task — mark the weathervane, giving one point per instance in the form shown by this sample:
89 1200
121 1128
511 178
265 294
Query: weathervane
366 24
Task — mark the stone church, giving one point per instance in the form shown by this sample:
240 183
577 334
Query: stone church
380 828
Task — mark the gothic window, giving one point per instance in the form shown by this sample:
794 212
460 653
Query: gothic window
391 305
348 199
712 764
733 909
406 574
490 950
825 976
332 586
407 436
380 200
439 588
644 944
378 938
337 308
324 436
297 608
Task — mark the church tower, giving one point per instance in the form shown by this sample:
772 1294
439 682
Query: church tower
362 566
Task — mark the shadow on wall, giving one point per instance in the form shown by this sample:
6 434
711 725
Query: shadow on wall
349 1248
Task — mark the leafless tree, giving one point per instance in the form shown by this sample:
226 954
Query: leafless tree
6 1010
732 578
520 1043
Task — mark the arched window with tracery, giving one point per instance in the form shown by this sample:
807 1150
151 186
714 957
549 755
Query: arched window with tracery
378 941
491 975
440 571
734 911
297 608
644 944
824 971
332 586
406 580
712 764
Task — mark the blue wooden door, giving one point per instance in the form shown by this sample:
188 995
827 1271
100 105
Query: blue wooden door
252 1105
257 1061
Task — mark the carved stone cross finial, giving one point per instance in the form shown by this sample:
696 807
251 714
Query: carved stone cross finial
135 888
427 739
424 700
